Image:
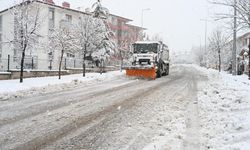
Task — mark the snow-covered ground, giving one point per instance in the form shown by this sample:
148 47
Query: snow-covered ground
224 111
42 85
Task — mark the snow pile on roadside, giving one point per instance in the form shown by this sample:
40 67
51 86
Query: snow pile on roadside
224 104
33 86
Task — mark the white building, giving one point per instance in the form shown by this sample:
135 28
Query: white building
242 47
51 17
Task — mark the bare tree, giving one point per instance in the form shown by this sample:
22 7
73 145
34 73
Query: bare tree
242 11
26 27
199 55
106 46
84 34
90 34
99 10
217 42
124 52
242 15
62 40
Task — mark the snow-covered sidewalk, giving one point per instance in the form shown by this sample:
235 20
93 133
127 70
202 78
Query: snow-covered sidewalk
32 86
224 110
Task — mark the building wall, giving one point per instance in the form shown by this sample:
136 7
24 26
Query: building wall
242 43
7 33
122 31
125 34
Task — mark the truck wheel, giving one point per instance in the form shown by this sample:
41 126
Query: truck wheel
167 70
158 73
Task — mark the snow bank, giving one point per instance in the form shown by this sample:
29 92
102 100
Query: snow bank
5 73
33 86
224 111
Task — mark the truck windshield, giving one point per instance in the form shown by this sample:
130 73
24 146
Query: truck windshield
145 48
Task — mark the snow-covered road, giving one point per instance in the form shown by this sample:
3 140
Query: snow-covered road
120 113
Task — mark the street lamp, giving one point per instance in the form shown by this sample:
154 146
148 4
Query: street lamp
142 15
249 58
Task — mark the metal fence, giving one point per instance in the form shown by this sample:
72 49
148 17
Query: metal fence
34 63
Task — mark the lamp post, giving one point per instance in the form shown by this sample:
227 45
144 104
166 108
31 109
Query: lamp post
234 66
142 15
249 59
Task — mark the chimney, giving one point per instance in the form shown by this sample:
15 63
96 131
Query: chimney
66 4
49 1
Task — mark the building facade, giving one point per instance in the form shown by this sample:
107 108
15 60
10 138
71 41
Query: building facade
241 51
53 16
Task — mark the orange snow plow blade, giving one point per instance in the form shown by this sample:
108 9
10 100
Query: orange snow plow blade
145 73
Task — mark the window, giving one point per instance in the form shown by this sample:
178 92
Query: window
70 55
68 18
16 34
1 24
114 21
1 29
51 18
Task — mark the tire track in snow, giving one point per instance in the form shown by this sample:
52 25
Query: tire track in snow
31 111
41 141
192 135
87 139
40 98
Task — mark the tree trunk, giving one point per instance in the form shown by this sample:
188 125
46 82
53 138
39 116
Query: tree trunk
22 63
121 60
219 61
249 61
84 64
102 66
60 64
121 64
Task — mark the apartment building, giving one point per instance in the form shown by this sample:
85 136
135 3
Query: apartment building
53 16
242 43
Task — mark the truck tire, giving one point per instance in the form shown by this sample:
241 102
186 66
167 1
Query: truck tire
159 73
167 70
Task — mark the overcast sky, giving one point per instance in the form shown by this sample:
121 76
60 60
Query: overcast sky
177 21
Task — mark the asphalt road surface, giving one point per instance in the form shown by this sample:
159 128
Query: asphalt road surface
122 113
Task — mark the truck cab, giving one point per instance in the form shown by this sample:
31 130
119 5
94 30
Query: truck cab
151 54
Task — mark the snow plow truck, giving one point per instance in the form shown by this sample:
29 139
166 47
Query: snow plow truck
149 60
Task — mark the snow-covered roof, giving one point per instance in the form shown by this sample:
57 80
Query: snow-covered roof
46 3
3 9
147 42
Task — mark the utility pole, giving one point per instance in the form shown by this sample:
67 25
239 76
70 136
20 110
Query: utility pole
234 67
249 58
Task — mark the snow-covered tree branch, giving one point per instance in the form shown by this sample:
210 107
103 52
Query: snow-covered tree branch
26 27
217 42
242 8
106 45
63 41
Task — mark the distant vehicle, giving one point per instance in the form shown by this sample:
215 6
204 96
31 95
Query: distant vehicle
150 60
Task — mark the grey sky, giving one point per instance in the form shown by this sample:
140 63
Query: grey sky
177 21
